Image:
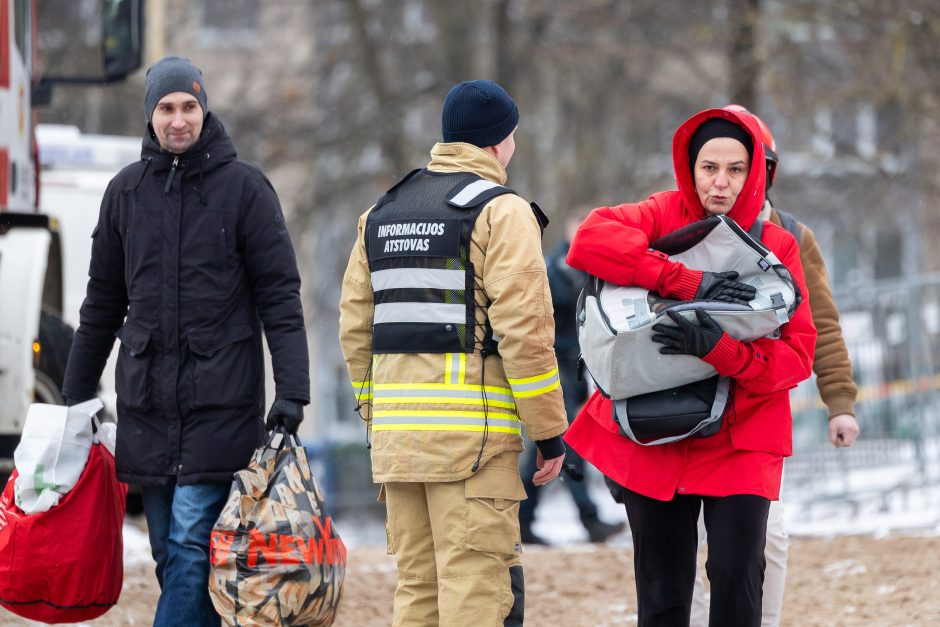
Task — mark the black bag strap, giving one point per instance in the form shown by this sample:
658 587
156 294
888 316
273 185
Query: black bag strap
621 416
757 230
278 437
790 223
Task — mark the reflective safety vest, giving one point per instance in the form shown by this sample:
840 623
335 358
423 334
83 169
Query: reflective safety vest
418 242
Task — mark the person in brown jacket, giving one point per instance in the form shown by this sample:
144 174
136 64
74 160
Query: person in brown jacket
447 330
833 370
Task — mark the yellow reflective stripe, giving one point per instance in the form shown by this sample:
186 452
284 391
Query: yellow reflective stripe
450 413
443 400
535 386
440 386
477 428
538 391
455 368
362 389
539 377
447 420
462 370
449 367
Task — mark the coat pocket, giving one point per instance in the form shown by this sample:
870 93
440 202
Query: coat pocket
225 368
133 382
493 495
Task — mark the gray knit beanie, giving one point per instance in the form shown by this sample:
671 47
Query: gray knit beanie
479 113
170 75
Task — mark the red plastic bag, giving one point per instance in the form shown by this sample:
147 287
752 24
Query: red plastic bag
65 565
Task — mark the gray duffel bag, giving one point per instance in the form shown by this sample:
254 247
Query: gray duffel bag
615 322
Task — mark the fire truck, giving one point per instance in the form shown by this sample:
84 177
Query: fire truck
34 335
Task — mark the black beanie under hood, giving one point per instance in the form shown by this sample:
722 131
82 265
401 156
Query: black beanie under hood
717 127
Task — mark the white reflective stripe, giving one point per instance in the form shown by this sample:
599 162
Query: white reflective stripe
441 386
455 368
534 386
433 420
418 278
420 312
421 394
362 389
442 420
469 193
462 371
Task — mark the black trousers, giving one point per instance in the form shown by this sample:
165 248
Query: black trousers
665 543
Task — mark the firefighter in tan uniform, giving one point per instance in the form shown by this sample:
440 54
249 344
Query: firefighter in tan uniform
447 330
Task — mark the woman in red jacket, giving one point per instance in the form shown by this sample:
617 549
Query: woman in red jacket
718 158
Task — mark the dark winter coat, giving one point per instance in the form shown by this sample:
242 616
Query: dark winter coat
565 283
198 259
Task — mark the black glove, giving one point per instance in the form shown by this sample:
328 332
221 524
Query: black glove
723 287
285 413
688 338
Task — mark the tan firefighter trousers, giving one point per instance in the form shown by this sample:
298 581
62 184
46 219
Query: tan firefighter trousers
457 546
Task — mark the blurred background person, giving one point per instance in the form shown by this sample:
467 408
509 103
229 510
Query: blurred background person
833 370
565 283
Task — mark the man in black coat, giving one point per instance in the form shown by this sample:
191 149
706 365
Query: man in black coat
191 259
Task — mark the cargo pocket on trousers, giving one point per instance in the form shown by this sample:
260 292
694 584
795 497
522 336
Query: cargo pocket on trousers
388 534
132 377
493 495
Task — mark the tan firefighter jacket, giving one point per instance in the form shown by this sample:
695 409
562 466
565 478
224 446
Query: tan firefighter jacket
435 413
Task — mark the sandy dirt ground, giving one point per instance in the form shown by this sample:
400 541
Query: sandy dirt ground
845 581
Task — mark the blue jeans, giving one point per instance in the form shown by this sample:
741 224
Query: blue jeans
180 520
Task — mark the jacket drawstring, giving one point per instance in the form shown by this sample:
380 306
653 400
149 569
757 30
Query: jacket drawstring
149 161
366 381
484 353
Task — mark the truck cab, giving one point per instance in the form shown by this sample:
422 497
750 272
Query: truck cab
75 170
37 301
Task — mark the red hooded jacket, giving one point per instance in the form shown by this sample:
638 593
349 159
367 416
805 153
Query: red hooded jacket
746 456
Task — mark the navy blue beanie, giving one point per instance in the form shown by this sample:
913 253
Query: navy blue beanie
479 113
170 75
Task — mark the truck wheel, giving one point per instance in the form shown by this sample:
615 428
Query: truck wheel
55 339
46 389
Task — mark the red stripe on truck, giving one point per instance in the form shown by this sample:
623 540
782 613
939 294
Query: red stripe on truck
4 174
4 50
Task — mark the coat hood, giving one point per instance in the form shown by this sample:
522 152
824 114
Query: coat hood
751 199
214 148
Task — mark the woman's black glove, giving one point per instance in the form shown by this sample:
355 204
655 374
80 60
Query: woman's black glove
285 413
688 338
724 287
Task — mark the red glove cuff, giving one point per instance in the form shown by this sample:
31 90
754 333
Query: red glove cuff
677 281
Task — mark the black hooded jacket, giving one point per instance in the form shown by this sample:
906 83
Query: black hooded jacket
192 249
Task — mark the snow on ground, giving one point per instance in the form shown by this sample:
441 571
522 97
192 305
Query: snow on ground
876 501
136 545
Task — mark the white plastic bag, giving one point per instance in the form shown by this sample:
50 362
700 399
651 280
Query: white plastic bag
52 453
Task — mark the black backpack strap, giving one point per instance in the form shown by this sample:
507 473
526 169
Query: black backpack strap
540 217
790 223
390 194
757 230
